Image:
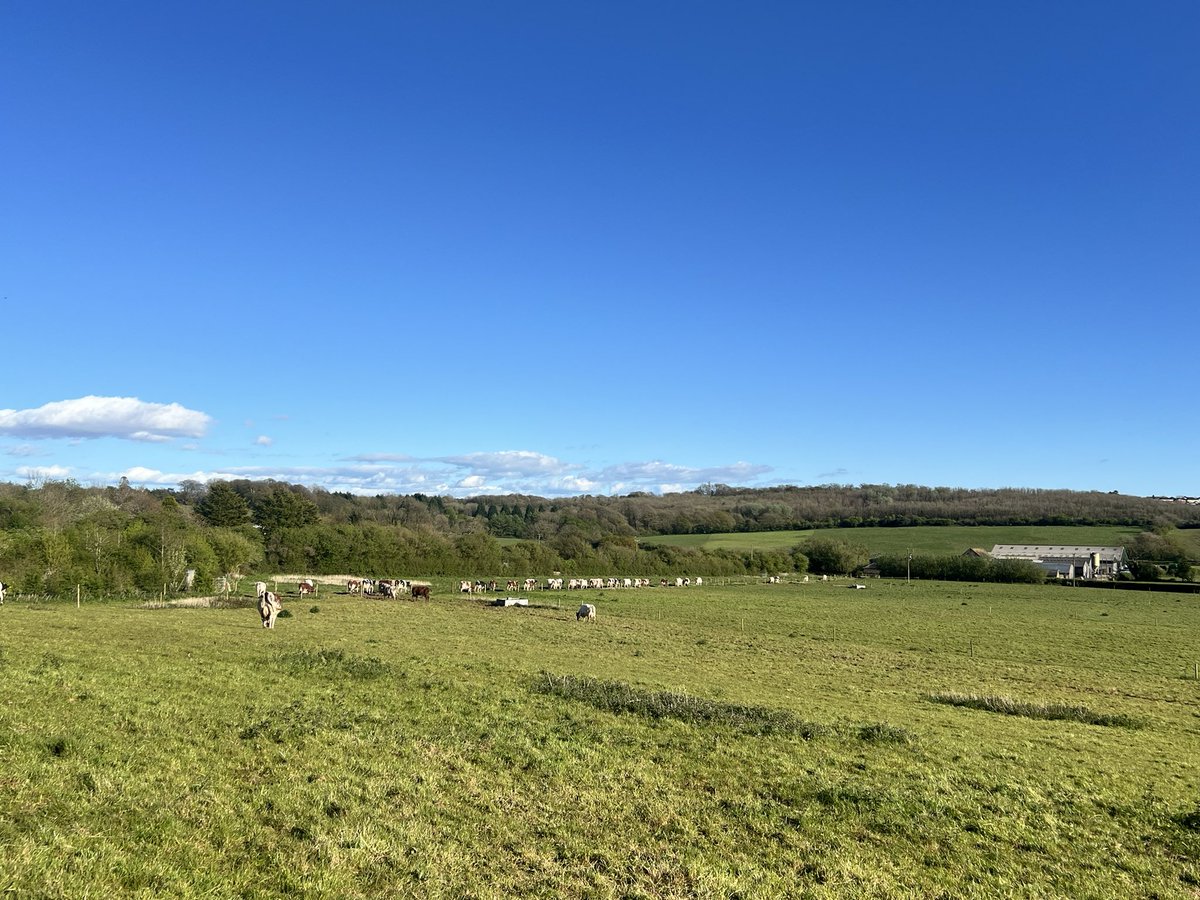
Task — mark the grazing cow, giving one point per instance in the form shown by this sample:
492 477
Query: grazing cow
511 585
531 584
419 591
306 587
464 587
587 611
3 591
268 608
699 581
353 586
388 590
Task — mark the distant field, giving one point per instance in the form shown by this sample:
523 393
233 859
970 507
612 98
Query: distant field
932 540
734 740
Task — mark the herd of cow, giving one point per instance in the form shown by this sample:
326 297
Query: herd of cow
571 584
391 588
269 605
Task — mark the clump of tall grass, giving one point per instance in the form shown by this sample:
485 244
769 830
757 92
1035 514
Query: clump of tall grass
619 697
335 662
1035 709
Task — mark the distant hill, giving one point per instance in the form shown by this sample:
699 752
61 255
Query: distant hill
932 540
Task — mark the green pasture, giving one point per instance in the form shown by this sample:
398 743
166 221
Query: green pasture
735 740
933 540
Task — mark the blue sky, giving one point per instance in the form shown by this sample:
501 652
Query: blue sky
562 248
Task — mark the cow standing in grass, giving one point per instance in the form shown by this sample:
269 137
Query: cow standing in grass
587 611
3 591
268 608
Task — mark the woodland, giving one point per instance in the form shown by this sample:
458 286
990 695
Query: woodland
60 536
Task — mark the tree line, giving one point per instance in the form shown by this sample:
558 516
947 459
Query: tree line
121 539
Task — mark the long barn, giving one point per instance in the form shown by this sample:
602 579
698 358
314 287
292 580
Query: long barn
1066 561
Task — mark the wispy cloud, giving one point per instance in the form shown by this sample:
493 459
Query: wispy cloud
127 418
471 474
836 473
263 441
663 477
25 450
48 472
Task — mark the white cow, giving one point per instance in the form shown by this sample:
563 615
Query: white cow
268 608
587 611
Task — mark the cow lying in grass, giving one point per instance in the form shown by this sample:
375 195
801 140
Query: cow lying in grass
268 607
587 611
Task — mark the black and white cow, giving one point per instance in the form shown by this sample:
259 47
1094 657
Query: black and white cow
268 608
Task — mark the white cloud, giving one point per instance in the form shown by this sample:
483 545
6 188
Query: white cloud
472 474
43 471
263 441
510 462
671 477
127 418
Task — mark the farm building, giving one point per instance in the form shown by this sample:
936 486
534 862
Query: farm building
1067 562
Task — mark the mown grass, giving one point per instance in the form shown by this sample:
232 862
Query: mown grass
619 697
1036 709
396 749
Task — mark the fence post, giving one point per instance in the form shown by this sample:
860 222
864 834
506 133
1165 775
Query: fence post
77 592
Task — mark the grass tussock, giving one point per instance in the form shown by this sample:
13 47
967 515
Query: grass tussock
619 697
1034 709
332 662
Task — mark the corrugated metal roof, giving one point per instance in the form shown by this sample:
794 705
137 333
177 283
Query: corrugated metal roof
1055 551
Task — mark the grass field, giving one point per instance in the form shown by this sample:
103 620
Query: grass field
736 740
934 540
